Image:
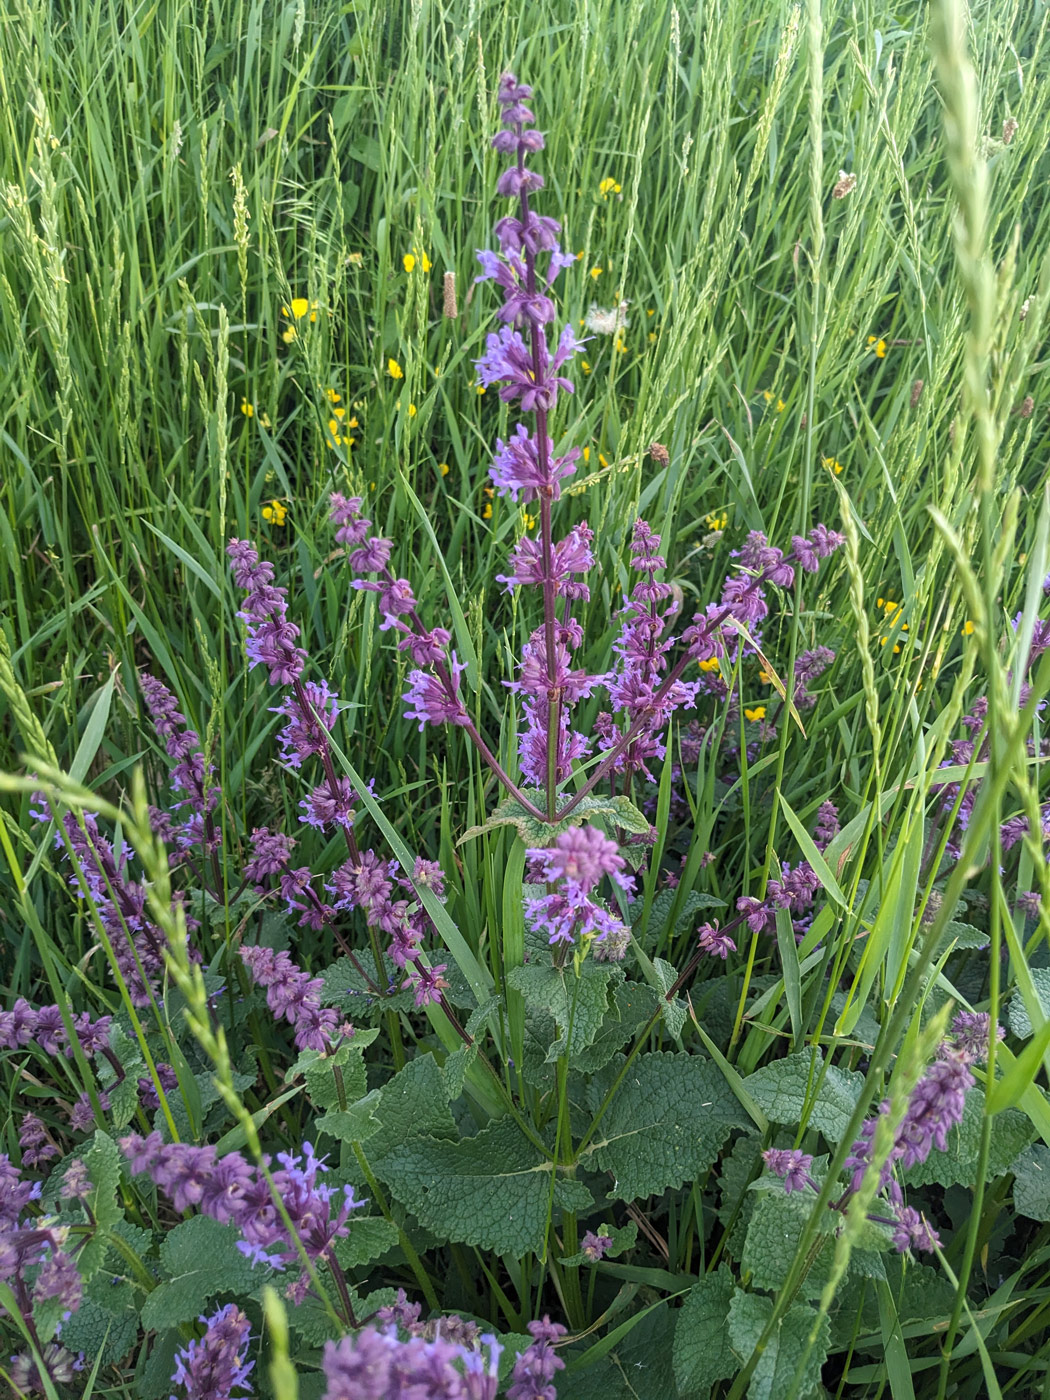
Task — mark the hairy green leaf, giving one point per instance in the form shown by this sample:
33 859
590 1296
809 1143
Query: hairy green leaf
665 1124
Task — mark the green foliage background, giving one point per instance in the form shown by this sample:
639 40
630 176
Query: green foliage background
175 173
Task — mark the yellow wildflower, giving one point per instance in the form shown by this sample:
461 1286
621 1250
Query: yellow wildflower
486 513
880 346
412 410
607 187
264 419
602 459
967 628
621 345
580 254
530 521
596 272
717 520
768 396
409 262
832 465
248 409
585 367
711 664
443 468
355 259
480 388
394 370
275 512
332 396
586 454
759 712
651 312
765 677
652 337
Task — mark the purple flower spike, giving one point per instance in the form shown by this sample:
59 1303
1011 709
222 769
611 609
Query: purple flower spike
913 1231
215 1366
594 1246
791 1165
711 940
538 1364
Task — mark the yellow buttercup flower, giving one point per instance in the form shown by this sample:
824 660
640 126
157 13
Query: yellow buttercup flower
332 396
408 262
596 272
759 712
394 370
607 187
585 367
275 512
248 409
486 513
880 346
443 468
480 388
412 410
711 664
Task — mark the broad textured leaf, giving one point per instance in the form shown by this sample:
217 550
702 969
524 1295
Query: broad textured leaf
370 1237
1020 1021
345 987
614 811
779 1089
414 1102
321 1087
660 910
356 1123
702 1354
492 1190
1032 1182
673 1011
579 1002
637 1368
94 1328
958 1165
772 1240
631 1005
103 1161
773 1376
666 1124
202 1259
456 1068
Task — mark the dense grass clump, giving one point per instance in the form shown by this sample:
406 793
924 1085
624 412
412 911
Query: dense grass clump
662 1007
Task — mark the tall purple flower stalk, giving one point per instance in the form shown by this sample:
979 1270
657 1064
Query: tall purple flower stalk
379 1365
232 1191
935 1107
214 1366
